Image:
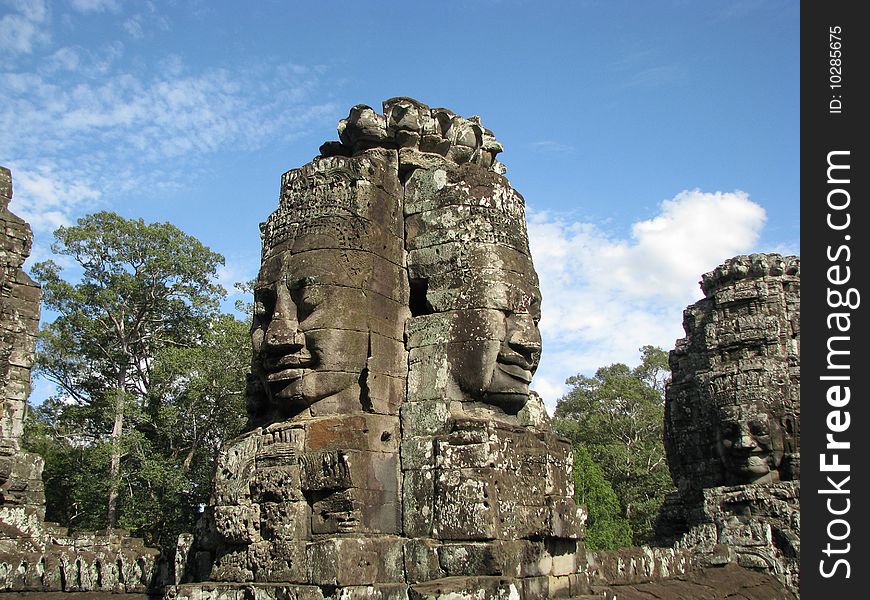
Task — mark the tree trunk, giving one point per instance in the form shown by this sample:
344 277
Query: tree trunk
115 460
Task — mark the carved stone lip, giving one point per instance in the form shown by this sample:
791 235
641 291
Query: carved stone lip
516 371
755 459
750 461
285 375
288 367
299 360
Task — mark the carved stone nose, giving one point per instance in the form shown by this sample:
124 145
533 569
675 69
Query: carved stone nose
744 439
523 336
284 333
283 330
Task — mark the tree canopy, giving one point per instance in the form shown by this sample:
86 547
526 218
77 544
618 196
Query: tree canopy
150 375
606 528
618 415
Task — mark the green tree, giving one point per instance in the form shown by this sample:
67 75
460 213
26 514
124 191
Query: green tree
606 528
75 467
143 288
195 404
618 415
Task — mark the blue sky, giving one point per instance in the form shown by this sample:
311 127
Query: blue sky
651 140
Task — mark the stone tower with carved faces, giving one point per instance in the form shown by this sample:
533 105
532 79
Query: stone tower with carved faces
732 420
393 444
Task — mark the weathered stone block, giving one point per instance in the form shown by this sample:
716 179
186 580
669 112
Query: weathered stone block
232 564
285 520
375 433
387 356
385 393
418 498
426 418
465 588
353 561
277 561
559 586
469 559
238 524
356 510
567 519
418 453
429 379
382 591
421 560
464 507
276 484
455 326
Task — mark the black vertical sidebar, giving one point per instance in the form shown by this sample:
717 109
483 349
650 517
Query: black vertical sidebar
835 301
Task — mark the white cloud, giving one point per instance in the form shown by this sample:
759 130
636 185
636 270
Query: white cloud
133 26
655 76
154 118
66 59
22 31
81 130
605 297
45 197
237 269
550 147
96 6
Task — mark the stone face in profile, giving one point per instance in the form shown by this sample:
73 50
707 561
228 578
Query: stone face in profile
307 346
331 290
468 259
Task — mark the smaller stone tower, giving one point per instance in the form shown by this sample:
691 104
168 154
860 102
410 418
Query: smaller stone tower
732 420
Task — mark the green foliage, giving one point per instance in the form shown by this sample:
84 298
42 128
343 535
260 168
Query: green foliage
618 415
141 287
150 377
606 528
75 467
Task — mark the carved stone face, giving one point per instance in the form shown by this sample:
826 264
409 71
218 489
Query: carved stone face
516 363
308 343
497 368
751 445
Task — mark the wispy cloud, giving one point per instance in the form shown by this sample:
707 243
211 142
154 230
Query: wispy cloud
133 26
655 76
50 196
144 23
26 28
643 68
83 116
96 6
605 296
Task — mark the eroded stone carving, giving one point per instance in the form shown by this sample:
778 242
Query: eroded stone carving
393 443
732 420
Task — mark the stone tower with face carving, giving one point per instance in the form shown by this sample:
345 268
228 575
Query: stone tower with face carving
732 419
394 448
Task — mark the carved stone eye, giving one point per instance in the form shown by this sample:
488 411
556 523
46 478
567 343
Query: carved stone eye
264 302
759 428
